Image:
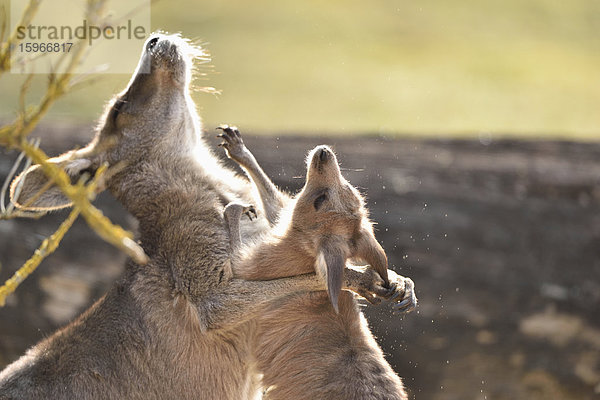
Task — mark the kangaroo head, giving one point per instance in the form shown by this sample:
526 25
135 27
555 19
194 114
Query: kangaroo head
330 218
154 116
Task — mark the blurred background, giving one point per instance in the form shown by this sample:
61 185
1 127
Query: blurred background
442 68
471 126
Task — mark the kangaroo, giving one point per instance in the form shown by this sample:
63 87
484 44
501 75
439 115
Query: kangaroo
323 226
181 326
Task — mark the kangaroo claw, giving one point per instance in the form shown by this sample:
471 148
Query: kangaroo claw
408 301
250 212
233 143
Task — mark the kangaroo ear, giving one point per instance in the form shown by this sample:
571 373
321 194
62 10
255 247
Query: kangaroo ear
369 251
33 190
331 262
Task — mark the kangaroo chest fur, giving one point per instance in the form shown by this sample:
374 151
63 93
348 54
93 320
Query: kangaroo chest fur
147 337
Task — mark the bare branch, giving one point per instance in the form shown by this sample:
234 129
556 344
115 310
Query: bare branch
47 247
14 135
9 212
13 40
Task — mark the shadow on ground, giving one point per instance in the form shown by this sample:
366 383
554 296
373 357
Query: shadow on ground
502 240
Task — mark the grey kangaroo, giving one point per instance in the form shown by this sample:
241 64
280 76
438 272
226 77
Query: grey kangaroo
181 326
307 348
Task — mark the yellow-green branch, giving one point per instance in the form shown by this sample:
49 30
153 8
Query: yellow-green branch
80 196
14 135
46 248
7 47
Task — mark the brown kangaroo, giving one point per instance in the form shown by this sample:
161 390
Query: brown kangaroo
181 326
308 349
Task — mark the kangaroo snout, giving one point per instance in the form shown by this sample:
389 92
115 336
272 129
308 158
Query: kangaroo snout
165 51
323 160
170 55
323 155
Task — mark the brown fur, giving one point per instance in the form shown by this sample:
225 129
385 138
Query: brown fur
309 348
180 326
147 338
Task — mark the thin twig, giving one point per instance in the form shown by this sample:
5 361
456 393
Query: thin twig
8 212
4 17
113 234
13 40
14 135
7 181
46 248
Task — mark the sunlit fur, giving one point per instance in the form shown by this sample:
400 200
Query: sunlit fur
311 346
178 327
341 223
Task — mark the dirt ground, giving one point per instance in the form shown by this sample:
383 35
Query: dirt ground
502 239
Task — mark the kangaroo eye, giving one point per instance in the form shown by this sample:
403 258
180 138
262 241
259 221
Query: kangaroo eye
319 201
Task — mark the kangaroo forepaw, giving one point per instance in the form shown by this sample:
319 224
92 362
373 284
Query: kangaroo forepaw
250 212
404 297
234 211
371 287
232 142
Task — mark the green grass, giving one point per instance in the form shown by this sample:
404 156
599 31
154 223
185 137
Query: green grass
452 68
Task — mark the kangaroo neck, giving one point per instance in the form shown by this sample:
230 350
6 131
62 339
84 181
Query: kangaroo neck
159 192
276 257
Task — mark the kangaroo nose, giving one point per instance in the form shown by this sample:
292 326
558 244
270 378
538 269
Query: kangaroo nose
151 43
323 155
